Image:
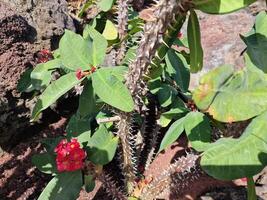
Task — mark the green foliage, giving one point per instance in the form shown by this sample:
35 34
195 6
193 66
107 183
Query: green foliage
102 146
198 130
55 90
64 186
75 51
257 43
221 6
42 73
97 45
24 84
177 69
87 101
224 95
45 163
111 90
194 42
172 134
220 94
110 31
105 5
237 158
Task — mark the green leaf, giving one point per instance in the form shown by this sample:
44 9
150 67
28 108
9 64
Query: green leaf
110 31
42 73
89 183
177 69
166 95
221 6
98 45
102 146
87 101
55 90
257 50
45 162
111 90
194 42
75 51
173 133
230 159
79 128
174 113
210 84
261 23
24 83
228 98
64 186
105 5
198 130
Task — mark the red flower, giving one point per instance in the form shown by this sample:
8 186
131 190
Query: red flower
93 69
70 156
44 56
180 35
79 74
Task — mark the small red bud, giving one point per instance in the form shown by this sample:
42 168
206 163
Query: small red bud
79 74
93 69
180 35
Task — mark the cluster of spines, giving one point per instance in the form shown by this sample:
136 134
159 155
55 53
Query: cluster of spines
111 187
150 130
127 141
164 13
122 26
178 175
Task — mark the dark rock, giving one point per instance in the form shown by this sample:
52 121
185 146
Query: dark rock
50 18
26 26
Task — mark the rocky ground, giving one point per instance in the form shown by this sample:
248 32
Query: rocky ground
27 26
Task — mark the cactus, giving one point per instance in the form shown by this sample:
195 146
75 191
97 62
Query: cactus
177 176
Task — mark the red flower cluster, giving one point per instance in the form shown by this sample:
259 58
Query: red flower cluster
44 55
70 156
80 73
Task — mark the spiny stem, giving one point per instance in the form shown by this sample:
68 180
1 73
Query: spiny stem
126 139
179 175
111 187
123 6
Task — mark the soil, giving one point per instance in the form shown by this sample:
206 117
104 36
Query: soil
19 179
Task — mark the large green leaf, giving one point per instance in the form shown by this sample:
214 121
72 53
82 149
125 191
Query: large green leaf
174 113
111 90
110 31
102 146
98 45
45 162
42 73
173 133
55 90
221 6
230 159
87 101
194 42
198 130
64 186
256 42
177 69
210 84
166 94
75 51
79 128
230 98
105 5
